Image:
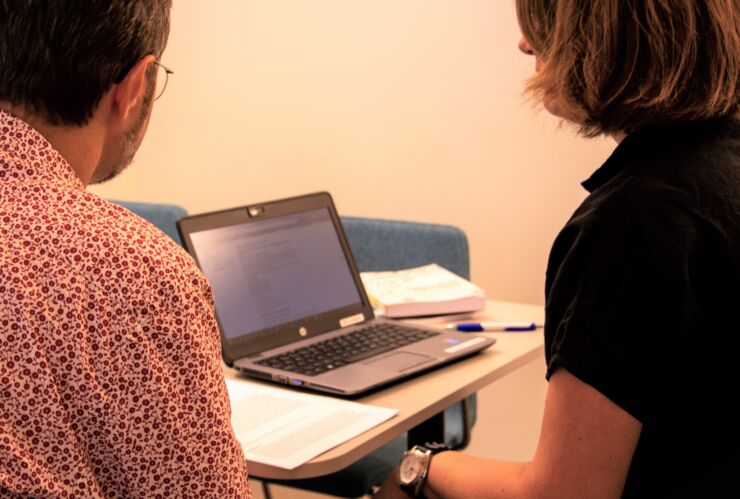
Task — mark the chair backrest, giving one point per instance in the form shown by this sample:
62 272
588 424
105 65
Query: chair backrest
376 244
163 216
391 245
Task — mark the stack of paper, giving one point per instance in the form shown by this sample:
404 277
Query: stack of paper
285 428
427 290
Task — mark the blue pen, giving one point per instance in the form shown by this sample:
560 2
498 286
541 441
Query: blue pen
476 327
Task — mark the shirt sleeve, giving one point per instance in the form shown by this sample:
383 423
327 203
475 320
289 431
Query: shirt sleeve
204 411
619 296
174 413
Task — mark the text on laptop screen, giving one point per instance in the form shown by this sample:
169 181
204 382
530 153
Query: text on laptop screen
269 272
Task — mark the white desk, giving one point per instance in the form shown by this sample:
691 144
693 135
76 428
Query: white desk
421 398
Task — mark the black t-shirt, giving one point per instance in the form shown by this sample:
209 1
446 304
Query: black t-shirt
643 302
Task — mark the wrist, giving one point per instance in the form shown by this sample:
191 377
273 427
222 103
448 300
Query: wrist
439 470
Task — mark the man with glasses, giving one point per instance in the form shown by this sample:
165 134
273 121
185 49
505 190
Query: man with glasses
110 375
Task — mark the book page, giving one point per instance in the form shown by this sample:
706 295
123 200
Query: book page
429 283
285 428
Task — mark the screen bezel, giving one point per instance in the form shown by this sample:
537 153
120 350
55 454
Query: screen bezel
253 344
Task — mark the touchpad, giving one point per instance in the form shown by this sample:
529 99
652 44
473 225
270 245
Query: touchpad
400 361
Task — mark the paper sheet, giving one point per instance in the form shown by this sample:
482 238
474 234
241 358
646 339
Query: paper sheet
284 428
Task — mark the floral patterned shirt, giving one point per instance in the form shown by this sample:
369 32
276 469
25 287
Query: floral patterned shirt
110 375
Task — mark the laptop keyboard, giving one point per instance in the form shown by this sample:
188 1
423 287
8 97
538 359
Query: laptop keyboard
339 351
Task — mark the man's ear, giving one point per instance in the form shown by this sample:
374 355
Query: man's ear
131 90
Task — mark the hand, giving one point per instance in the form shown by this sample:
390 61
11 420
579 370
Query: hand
390 488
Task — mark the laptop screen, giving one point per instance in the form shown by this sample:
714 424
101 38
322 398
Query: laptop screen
269 272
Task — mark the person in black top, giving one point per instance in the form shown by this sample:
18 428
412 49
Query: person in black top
643 282
642 288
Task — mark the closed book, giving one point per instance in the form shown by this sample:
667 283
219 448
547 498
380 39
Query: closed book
422 291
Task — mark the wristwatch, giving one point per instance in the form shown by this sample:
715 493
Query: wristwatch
414 468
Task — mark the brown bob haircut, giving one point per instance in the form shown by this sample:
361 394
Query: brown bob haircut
615 65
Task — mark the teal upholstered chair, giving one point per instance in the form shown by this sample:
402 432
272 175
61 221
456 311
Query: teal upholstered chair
376 245
392 245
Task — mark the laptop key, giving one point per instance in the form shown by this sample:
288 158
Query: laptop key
334 353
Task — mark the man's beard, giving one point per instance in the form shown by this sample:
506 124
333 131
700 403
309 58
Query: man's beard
131 139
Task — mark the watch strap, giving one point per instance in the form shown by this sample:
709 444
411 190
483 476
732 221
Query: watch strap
436 447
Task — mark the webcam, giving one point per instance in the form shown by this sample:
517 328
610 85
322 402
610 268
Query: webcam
255 211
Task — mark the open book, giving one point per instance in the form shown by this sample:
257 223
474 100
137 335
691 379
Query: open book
419 291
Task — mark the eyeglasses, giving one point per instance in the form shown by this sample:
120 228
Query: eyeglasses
161 82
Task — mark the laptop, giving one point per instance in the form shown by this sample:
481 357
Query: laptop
291 307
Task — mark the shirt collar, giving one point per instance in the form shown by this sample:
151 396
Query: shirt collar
653 141
26 155
612 166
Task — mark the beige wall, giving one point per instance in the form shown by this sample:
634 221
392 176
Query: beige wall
403 109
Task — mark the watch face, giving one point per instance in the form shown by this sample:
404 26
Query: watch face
410 469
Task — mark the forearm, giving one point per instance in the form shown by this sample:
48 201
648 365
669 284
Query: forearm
585 450
454 475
